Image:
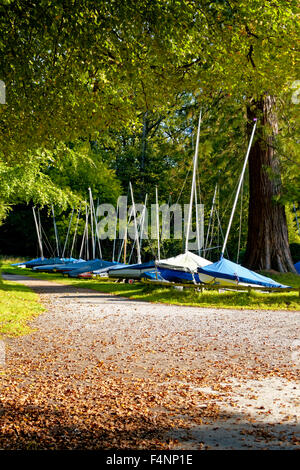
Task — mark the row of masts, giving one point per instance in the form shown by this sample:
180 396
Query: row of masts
91 219
91 244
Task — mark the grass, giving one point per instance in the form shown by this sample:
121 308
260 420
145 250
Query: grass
18 306
187 296
289 279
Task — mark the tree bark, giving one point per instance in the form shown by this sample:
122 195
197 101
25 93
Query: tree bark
267 243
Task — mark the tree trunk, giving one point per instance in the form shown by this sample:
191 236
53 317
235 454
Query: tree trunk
267 243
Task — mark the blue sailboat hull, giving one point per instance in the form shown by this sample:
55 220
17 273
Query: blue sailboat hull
178 276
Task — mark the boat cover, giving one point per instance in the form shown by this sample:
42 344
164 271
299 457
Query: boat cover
57 266
186 262
133 271
225 269
46 262
90 266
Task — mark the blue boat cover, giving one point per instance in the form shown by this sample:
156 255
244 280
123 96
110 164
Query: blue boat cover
297 267
59 266
154 275
226 269
149 264
45 261
51 264
90 266
178 275
105 269
32 261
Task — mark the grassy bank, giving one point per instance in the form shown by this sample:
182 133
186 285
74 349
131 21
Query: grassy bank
18 306
226 299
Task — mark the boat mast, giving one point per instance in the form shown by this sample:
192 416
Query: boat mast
135 227
92 223
38 231
55 231
143 221
157 224
84 236
193 185
75 232
210 217
238 189
68 232
115 232
197 222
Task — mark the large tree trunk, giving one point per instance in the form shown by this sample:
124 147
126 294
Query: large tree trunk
267 244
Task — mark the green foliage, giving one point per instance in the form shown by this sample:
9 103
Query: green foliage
72 69
97 71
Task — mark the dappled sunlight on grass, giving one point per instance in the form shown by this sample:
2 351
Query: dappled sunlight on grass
187 296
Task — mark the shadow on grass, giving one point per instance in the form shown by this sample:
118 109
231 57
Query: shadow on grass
8 287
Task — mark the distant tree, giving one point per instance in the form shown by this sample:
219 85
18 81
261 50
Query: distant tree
75 69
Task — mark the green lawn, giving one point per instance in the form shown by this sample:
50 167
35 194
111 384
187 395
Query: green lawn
18 305
187 296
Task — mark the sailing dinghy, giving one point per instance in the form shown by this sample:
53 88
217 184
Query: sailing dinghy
182 268
225 272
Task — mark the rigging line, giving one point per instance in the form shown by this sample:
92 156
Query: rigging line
157 223
151 247
96 219
135 226
38 232
48 244
87 234
218 210
229 200
182 188
68 232
143 221
213 247
210 217
212 229
133 245
221 230
195 161
197 224
240 225
75 232
84 233
125 235
239 186
96 230
92 223
199 186
95 236
115 233
55 231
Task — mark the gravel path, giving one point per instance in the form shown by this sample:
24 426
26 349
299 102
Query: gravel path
101 371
